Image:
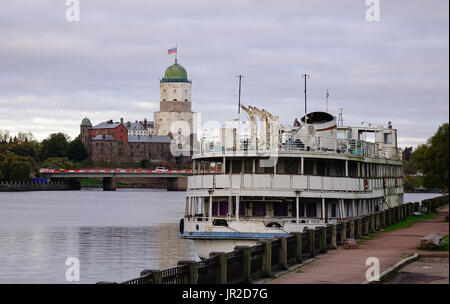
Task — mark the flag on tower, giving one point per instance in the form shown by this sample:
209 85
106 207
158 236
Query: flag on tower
172 51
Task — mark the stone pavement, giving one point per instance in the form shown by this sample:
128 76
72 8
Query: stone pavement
423 271
347 266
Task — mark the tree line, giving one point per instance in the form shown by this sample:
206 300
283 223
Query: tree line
21 156
428 165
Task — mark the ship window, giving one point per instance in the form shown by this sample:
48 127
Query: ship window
309 164
321 167
333 210
223 208
341 134
215 208
281 167
259 209
387 138
268 170
248 166
242 208
280 209
311 210
237 166
291 166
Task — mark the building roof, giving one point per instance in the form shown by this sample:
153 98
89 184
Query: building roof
106 125
135 126
103 137
175 73
86 122
149 139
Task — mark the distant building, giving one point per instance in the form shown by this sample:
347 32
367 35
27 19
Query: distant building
175 116
171 130
110 142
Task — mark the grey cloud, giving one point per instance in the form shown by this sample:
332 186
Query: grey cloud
53 72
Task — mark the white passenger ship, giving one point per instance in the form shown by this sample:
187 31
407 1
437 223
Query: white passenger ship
258 179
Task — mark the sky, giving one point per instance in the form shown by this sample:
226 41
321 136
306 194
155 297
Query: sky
53 72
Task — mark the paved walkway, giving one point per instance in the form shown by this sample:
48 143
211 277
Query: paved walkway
347 266
423 271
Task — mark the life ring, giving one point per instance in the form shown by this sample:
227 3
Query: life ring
366 184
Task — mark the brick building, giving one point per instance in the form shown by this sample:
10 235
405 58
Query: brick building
171 131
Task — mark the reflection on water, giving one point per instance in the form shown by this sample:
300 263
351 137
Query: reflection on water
105 253
40 230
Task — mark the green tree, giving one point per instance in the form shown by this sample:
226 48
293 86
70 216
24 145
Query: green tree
14 168
57 163
55 146
432 159
23 149
76 151
144 163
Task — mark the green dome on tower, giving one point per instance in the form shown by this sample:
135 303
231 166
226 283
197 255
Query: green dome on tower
175 73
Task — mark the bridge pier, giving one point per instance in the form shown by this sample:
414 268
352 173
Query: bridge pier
109 184
177 183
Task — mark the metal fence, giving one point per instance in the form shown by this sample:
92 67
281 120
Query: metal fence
250 263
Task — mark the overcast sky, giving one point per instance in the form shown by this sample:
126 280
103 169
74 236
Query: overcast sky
53 72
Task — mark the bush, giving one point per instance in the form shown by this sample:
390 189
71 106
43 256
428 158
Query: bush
57 163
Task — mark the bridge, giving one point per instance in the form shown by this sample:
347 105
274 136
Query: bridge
176 179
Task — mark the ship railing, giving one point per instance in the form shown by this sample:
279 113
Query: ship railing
321 144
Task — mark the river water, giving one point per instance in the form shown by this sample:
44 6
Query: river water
114 235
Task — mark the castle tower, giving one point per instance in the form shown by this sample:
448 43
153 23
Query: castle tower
84 132
175 115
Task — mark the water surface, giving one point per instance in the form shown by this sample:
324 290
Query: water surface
115 235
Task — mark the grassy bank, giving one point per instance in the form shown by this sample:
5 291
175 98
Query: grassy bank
408 221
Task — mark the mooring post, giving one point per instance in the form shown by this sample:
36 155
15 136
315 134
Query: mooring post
267 258
344 231
333 244
221 270
372 223
359 228
192 273
283 253
352 229
153 276
246 263
366 225
323 239
298 247
312 240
